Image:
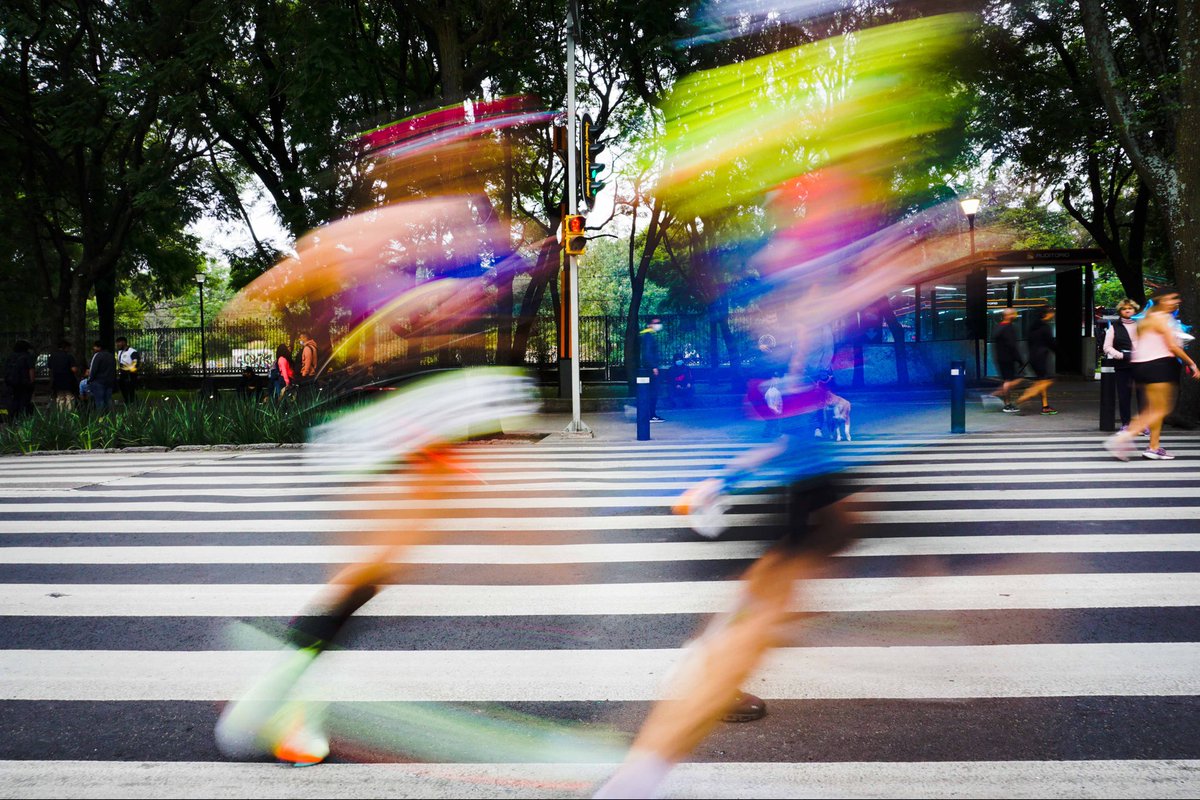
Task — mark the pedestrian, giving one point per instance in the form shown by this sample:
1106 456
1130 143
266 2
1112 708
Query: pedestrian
307 379
1008 358
411 431
681 384
64 376
101 376
1041 348
128 361
19 376
1156 359
282 375
649 361
1119 341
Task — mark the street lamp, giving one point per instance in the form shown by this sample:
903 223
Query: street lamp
203 349
970 207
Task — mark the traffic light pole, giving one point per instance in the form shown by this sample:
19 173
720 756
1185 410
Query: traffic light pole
576 427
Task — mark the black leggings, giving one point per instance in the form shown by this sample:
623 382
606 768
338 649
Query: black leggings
1125 389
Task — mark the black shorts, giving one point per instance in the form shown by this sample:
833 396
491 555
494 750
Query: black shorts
802 498
1160 370
1041 366
1008 370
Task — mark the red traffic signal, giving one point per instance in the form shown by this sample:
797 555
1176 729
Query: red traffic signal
574 234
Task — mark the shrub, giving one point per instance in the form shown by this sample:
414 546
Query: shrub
188 419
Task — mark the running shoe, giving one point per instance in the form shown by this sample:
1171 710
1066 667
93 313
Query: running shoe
1011 409
1124 429
1145 431
704 505
1047 411
1158 455
1119 446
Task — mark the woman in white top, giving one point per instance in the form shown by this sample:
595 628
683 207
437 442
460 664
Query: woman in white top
1156 358
1119 341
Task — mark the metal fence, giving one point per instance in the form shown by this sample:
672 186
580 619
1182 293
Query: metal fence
176 352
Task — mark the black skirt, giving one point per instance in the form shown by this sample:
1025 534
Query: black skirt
1160 370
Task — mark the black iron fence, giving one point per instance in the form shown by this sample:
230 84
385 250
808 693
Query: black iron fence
229 347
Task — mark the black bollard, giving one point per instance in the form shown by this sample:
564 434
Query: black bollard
643 407
958 397
1108 399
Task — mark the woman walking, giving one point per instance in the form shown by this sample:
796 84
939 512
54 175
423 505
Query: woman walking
1156 358
282 374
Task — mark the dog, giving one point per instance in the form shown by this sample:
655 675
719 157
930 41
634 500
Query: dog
837 413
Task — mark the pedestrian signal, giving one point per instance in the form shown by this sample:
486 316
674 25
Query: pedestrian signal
574 234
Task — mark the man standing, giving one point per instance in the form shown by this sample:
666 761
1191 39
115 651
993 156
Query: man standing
1008 358
64 375
102 376
19 376
128 360
649 360
308 363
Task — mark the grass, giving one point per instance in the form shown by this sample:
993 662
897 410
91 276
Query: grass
181 420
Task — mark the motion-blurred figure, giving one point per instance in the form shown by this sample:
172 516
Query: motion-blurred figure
1041 348
411 433
1008 358
1156 365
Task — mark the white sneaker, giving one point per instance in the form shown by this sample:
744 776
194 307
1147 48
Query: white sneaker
1119 446
1158 455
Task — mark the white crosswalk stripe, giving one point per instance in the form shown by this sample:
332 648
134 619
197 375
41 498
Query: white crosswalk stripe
1005 593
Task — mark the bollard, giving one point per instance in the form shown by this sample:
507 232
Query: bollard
958 397
1108 399
643 408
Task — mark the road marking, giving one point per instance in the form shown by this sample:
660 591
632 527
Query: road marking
596 553
1027 670
689 781
942 593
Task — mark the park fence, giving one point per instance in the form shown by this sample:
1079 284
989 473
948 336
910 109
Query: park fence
228 348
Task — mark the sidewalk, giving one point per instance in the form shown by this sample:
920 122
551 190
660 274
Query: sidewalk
875 413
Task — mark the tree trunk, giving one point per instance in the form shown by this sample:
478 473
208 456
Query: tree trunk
1185 219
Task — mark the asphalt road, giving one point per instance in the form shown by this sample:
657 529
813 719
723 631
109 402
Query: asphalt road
1020 620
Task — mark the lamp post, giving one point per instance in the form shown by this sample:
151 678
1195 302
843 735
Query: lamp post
976 288
970 207
203 349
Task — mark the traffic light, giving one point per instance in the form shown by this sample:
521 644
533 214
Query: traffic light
589 148
574 234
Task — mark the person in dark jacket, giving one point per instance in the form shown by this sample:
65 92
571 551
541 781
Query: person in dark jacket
1041 349
649 360
102 376
64 376
1119 341
1008 358
19 376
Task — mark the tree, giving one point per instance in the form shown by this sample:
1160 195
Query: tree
93 113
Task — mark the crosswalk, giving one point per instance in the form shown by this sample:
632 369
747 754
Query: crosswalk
1019 620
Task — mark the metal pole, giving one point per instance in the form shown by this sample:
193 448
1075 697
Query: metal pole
958 397
576 426
203 349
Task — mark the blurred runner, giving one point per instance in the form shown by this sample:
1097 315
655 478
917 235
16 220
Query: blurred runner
408 433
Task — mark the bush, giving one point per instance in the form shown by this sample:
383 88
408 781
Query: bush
173 422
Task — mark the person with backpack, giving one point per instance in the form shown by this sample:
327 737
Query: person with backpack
19 377
128 361
101 376
307 379
282 375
